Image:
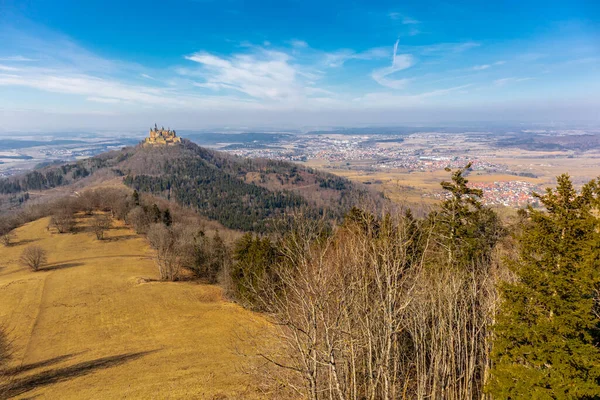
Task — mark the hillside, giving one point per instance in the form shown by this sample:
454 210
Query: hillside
239 193
94 324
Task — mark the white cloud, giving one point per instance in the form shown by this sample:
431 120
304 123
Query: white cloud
208 60
486 66
107 100
265 74
390 100
338 58
403 18
17 59
506 81
300 44
503 81
7 68
441 48
409 21
399 63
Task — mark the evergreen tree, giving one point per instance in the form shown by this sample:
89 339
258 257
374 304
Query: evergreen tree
547 332
136 198
254 257
166 218
465 229
219 253
155 213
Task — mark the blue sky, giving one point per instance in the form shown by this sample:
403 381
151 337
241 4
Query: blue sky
194 64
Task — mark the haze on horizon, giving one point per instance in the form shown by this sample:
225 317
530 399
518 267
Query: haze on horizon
198 64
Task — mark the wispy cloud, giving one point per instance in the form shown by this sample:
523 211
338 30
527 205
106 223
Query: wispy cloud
506 81
7 68
265 75
444 48
399 63
85 85
487 66
106 100
17 59
390 100
338 58
403 18
301 44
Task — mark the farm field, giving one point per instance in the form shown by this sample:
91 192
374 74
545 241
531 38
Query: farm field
94 323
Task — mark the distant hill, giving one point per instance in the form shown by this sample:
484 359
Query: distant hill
240 193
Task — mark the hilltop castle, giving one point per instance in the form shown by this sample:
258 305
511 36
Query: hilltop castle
162 136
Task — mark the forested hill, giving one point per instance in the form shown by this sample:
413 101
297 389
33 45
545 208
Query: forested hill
238 192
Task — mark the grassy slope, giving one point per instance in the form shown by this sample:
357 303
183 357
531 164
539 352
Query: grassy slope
109 334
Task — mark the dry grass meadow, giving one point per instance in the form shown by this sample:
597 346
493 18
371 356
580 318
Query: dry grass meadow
92 323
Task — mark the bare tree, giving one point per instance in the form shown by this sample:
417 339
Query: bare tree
170 256
139 219
88 201
375 312
34 257
100 224
6 233
115 201
62 218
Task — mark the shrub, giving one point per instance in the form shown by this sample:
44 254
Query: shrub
6 238
139 219
170 255
100 224
34 257
62 217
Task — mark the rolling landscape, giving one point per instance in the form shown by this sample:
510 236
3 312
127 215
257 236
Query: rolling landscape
300 200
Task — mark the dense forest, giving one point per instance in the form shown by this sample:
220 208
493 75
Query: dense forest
219 196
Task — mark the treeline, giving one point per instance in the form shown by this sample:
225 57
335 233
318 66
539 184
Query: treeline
453 305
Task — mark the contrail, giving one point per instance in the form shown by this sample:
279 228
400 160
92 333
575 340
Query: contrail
395 50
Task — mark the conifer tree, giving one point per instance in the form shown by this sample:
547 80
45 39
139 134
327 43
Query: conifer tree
547 332
166 217
466 230
136 198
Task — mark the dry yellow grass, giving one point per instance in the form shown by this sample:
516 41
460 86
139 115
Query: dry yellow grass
90 325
